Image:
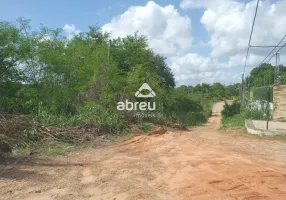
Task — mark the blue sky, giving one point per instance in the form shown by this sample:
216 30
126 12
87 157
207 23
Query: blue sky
209 34
57 13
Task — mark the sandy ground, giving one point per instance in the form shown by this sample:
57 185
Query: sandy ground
201 163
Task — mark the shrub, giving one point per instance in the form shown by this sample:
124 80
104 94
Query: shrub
15 105
90 113
231 109
234 121
255 114
106 119
145 127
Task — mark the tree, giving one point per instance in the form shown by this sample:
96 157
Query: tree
261 76
134 50
219 90
159 66
10 45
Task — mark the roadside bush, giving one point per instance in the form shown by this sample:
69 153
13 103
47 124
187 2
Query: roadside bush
258 110
145 127
106 119
187 109
89 113
247 113
187 119
15 105
233 121
255 114
231 109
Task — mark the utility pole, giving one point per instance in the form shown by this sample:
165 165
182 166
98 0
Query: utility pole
278 60
268 112
242 90
276 73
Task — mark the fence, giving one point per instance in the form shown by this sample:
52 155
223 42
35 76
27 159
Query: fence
258 102
259 94
268 97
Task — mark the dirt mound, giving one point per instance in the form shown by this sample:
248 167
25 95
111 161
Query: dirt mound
158 131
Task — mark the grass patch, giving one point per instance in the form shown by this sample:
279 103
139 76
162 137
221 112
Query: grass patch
111 138
234 121
53 148
59 149
50 147
145 127
21 151
128 135
237 121
167 128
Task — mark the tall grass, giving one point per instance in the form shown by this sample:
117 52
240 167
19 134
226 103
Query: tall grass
233 116
89 114
233 121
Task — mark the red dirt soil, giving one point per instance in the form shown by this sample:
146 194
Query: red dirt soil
202 163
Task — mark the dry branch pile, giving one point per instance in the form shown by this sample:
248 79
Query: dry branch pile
18 130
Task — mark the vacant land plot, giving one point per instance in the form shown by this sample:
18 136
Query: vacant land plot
201 163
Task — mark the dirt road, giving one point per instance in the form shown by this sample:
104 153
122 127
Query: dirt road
201 163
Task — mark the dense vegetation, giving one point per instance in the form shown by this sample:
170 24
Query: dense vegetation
264 76
230 110
258 92
74 81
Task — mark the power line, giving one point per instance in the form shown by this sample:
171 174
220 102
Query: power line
247 53
259 65
270 58
270 54
269 46
272 51
278 45
281 47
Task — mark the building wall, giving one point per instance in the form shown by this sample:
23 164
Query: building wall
279 101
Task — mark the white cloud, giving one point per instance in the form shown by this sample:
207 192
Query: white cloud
229 23
209 77
168 32
193 68
71 30
190 68
198 3
191 63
